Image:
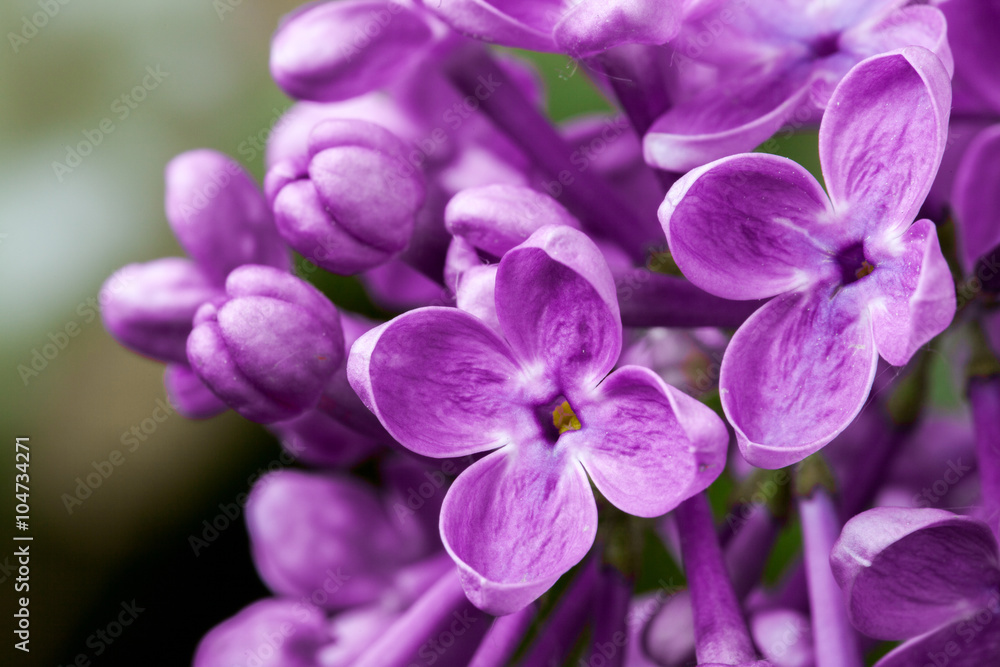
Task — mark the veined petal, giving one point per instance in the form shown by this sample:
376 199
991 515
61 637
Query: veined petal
440 381
749 226
647 446
515 521
883 135
913 292
907 571
557 305
918 25
797 373
977 643
594 26
726 119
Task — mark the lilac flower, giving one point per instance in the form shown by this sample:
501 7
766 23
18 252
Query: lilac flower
330 51
851 278
352 203
577 27
923 575
770 62
327 538
221 219
445 384
270 348
268 633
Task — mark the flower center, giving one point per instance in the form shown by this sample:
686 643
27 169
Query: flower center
853 264
556 417
825 46
564 419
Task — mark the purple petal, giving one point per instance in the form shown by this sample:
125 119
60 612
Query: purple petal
557 305
977 78
647 446
732 118
495 218
749 226
907 571
523 24
331 51
976 197
271 633
973 641
219 215
594 26
909 26
476 294
913 291
189 395
879 166
270 350
440 381
354 204
321 536
796 374
318 439
784 637
515 521
289 138
149 307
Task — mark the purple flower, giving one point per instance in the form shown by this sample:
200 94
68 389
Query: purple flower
923 575
771 62
851 277
445 384
330 51
219 216
269 350
326 538
351 204
268 633
222 221
148 307
579 28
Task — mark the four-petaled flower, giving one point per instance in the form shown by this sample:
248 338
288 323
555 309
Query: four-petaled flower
851 277
445 384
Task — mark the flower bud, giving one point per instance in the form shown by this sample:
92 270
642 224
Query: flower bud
149 307
268 633
495 218
268 350
323 534
350 205
189 395
219 215
336 50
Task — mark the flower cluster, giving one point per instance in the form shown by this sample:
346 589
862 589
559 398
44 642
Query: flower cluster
574 337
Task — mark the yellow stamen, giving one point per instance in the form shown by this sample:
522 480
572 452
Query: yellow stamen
865 269
565 419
